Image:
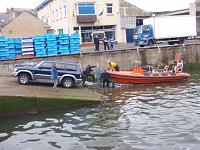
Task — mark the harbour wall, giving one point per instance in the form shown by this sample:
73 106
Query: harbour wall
125 58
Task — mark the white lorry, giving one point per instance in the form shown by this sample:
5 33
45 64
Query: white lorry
173 29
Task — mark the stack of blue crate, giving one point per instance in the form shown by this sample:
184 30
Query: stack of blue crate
40 46
51 44
18 47
10 46
74 43
27 47
3 50
63 44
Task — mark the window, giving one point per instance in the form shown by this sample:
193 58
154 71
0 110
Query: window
69 67
60 13
46 65
65 10
86 9
60 31
56 14
109 8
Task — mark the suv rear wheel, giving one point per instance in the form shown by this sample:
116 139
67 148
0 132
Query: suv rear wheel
67 82
23 78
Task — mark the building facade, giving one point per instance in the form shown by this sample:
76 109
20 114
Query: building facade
87 17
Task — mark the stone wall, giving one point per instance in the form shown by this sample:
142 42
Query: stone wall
126 59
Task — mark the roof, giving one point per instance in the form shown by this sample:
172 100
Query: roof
5 18
18 11
42 4
175 12
30 15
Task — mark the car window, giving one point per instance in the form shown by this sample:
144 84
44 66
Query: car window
69 67
46 65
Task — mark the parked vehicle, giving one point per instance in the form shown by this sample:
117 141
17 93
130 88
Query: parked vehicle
173 29
69 74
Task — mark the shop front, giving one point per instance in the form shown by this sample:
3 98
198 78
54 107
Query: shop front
89 32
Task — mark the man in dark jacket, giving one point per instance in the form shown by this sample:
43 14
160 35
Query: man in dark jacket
96 43
106 43
106 78
87 73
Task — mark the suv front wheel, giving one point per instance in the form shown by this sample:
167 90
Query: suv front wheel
23 79
67 82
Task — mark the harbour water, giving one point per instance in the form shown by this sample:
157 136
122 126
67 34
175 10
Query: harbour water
143 117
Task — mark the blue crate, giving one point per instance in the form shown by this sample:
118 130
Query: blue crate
40 44
17 40
62 35
51 39
11 44
11 49
39 38
41 54
51 46
64 52
75 41
39 47
11 41
49 35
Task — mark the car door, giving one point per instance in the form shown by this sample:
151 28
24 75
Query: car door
44 71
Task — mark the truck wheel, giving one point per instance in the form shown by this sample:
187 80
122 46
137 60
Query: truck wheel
67 83
23 79
150 42
181 40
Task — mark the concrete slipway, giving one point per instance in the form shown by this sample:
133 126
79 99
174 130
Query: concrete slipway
21 99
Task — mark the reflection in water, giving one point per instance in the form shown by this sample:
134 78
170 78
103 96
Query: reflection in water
162 116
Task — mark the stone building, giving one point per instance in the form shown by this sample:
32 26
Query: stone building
19 23
24 25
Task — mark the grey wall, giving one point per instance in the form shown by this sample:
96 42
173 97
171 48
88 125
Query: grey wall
126 59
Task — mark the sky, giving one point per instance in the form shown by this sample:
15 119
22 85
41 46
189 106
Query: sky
148 5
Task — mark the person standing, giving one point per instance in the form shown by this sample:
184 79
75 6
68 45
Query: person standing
54 77
112 66
106 43
96 42
87 73
106 78
111 42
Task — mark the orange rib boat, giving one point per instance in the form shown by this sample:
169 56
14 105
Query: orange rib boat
130 77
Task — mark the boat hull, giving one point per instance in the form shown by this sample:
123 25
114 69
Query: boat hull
128 77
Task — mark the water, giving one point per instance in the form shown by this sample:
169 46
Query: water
150 117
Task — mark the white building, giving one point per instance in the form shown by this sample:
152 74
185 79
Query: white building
90 17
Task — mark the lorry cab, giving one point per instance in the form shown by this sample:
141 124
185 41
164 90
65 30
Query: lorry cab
143 35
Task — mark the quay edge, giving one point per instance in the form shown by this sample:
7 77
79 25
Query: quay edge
11 106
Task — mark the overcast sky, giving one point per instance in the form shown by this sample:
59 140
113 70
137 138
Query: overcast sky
148 5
